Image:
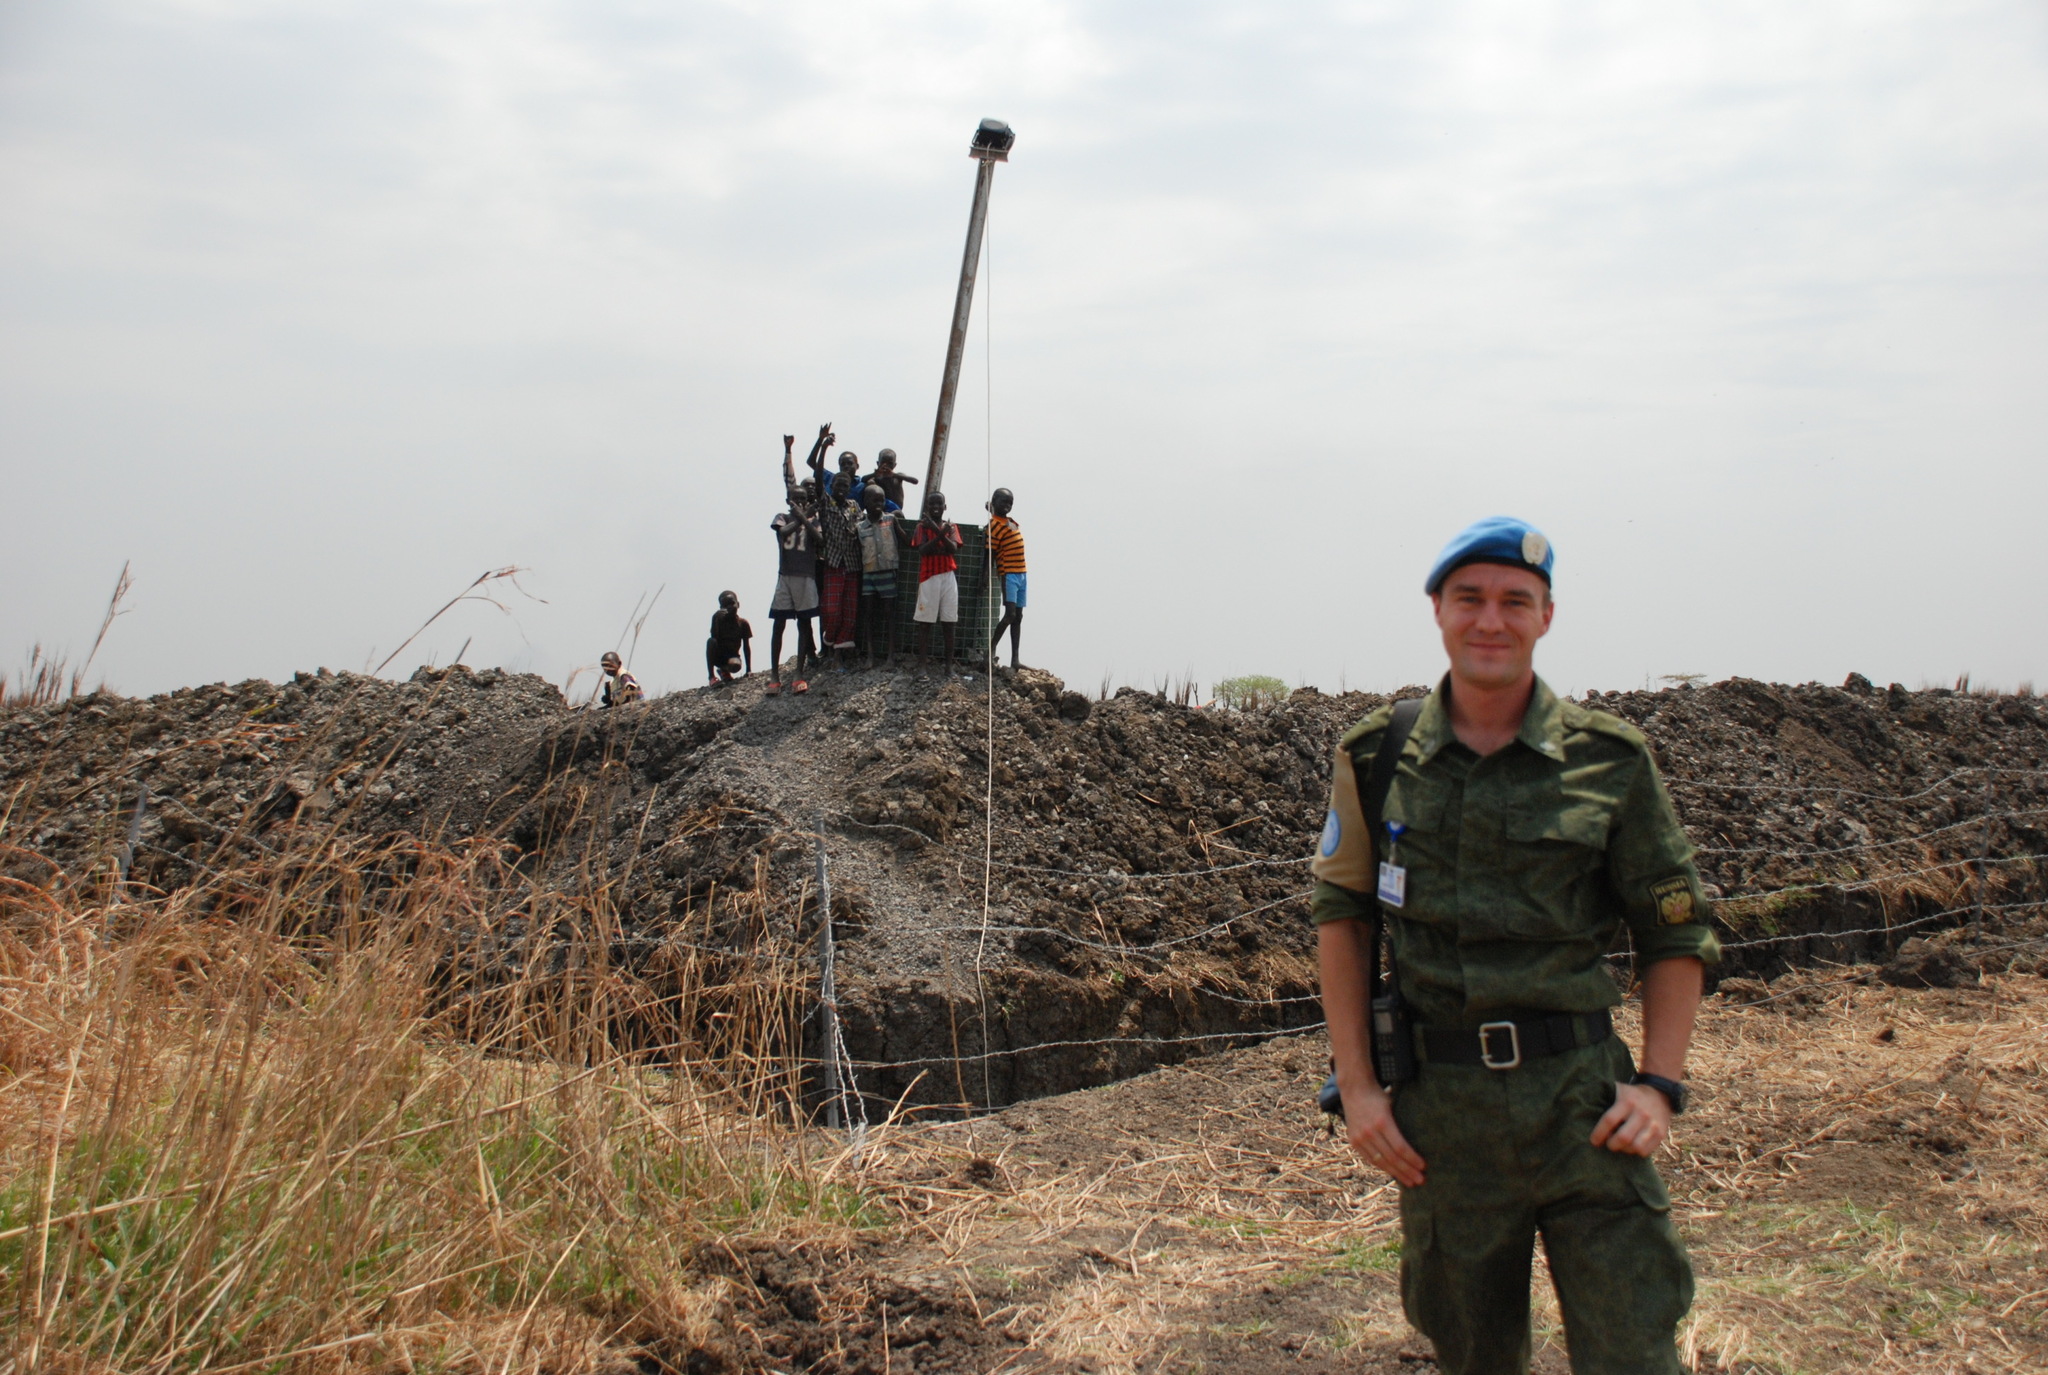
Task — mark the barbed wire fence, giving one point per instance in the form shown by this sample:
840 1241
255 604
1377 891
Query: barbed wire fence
1970 915
841 1078
846 1102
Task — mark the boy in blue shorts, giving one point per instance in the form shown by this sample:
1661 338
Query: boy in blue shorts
1006 553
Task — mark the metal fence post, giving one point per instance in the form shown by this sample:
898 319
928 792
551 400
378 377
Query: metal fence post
125 860
828 993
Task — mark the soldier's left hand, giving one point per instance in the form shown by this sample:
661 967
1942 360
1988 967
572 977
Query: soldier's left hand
1637 1124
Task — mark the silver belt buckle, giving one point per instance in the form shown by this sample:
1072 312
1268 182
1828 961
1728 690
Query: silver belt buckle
1486 1047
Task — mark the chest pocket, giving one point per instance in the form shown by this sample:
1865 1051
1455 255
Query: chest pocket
1556 852
1575 823
1417 803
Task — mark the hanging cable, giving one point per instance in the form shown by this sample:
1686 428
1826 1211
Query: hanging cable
988 611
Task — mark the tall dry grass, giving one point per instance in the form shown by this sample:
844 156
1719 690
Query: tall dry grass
46 678
314 1116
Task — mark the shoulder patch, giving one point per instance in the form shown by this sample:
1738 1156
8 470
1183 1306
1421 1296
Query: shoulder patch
1673 897
1578 717
1373 724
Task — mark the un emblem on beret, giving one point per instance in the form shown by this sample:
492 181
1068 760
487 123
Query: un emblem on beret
1535 548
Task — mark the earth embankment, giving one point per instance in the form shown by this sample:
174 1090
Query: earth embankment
1032 891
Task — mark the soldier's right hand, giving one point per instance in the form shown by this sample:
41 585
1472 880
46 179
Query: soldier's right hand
1370 1127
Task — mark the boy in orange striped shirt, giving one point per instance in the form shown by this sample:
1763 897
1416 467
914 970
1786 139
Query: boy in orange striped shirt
1006 552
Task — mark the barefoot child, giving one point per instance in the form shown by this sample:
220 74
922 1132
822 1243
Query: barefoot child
879 551
796 588
1006 553
937 544
730 638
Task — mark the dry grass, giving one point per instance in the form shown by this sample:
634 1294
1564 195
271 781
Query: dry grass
315 1131
303 1117
1864 1185
46 678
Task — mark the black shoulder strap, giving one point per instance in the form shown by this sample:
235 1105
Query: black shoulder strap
1386 759
1372 800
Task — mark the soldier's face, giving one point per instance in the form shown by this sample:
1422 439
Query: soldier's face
1491 617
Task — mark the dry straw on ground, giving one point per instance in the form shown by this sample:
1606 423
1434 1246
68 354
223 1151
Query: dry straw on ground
1861 1185
300 1118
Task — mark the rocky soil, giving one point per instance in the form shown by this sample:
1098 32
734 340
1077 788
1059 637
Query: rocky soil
1032 891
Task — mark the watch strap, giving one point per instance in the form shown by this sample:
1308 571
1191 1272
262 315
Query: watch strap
1673 1091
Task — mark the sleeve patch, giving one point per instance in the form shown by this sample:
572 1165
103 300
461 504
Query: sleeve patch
1673 897
1333 834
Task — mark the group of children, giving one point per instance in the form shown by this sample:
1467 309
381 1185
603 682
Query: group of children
841 541
839 545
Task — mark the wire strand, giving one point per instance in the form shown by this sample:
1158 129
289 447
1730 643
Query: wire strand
1962 825
1268 1033
1930 790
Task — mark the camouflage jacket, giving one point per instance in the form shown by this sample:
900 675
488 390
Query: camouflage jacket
1521 867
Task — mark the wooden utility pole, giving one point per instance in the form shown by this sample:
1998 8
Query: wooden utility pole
991 145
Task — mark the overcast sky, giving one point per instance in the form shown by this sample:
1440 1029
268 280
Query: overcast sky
315 311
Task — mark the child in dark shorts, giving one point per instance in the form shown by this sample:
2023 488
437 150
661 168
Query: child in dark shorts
731 637
880 546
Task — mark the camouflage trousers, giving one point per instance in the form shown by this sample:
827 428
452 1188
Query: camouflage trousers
1508 1157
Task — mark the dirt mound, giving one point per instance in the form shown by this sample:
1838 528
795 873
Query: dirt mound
842 1314
1143 860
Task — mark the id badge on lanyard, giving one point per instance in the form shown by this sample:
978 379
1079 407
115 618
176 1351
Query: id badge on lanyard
1393 877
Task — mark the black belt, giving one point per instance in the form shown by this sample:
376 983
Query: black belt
1508 1041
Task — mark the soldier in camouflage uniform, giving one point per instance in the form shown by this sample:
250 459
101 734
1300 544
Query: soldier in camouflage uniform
1522 833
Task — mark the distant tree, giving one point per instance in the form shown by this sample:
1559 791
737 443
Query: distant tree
1250 692
1691 680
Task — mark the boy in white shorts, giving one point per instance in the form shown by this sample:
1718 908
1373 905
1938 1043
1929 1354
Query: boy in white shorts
796 591
937 543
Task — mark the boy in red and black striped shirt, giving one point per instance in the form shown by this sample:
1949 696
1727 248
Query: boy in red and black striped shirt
936 542
1006 553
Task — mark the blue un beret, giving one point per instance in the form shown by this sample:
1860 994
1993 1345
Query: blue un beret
1497 539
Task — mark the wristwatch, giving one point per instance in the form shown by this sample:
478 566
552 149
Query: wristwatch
1670 1088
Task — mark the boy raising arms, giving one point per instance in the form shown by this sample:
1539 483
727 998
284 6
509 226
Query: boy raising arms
840 571
796 587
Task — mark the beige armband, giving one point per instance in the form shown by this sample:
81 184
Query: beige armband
1344 855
